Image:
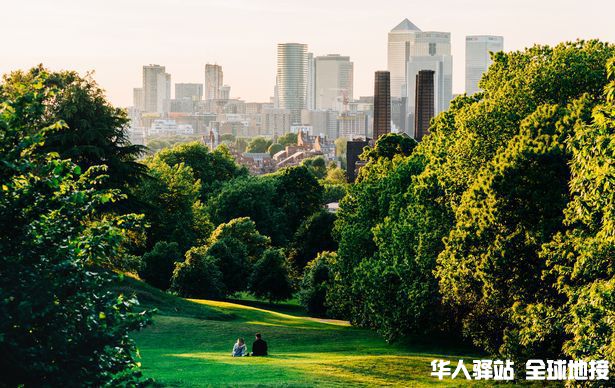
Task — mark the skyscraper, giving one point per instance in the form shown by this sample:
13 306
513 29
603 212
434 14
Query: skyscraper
382 104
213 81
291 79
137 98
424 103
478 58
334 82
429 50
191 91
156 89
397 56
311 83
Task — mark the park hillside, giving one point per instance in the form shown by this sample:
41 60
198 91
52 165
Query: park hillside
123 265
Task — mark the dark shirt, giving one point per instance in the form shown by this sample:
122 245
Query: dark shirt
259 348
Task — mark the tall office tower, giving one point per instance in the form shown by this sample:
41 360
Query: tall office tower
193 92
291 79
478 58
397 57
311 80
382 104
137 98
225 92
430 50
334 82
156 89
213 81
424 103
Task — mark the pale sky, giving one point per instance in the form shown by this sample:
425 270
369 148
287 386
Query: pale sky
117 37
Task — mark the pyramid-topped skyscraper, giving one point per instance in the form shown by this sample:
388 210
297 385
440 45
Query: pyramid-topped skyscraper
396 64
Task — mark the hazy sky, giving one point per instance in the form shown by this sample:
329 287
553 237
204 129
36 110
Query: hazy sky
116 37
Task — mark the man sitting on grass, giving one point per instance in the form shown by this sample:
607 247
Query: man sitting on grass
259 347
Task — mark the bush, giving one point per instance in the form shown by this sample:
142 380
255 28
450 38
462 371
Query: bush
198 276
270 278
315 283
159 263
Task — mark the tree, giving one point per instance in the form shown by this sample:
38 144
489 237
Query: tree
250 197
275 148
270 278
237 246
243 230
288 139
390 145
317 166
171 205
491 258
313 236
159 263
315 284
61 324
258 145
198 276
335 176
212 169
93 131
298 195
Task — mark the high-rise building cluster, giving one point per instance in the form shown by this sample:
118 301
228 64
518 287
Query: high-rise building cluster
314 94
412 51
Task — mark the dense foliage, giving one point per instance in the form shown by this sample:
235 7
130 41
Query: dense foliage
269 279
499 223
315 283
60 326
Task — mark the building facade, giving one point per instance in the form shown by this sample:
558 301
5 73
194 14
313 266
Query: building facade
334 82
156 89
382 104
190 91
214 79
478 58
397 56
429 50
424 103
291 79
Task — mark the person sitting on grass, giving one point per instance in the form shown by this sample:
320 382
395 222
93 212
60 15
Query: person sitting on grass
240 349
259 347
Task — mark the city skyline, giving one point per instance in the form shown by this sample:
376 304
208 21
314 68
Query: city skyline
116 39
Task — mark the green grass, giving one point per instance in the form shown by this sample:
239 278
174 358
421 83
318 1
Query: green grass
190 342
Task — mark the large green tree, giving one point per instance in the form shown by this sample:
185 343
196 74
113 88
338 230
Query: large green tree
61 325
93 132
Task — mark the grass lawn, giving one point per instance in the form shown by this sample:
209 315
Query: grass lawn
190 342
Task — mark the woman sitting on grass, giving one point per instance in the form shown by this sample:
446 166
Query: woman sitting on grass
240 349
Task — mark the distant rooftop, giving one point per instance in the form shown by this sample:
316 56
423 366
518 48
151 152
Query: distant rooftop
406 25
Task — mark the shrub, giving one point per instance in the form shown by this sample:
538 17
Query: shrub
198 276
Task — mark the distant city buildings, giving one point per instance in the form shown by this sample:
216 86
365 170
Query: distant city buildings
397 55
214 80
191 91
382 104
478 58
291 79
156 89
334 82
314 96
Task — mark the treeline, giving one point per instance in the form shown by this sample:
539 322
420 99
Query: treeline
78 205
500 225
213 230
